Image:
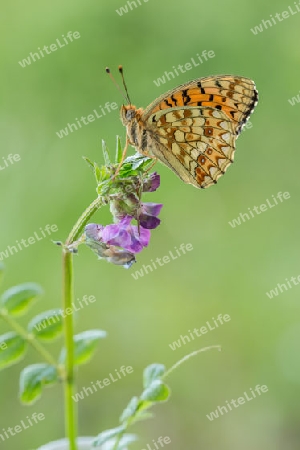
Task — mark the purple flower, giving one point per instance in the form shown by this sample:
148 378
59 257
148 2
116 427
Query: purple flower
148 215
112 254
119 242
127 236
152 183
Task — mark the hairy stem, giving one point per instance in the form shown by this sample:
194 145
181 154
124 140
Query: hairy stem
83 219
68 297
186 357
70 408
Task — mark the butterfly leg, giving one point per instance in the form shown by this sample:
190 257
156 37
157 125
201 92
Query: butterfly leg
153 163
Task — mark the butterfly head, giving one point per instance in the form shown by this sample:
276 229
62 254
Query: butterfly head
128 113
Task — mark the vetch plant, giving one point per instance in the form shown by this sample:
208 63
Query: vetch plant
120 185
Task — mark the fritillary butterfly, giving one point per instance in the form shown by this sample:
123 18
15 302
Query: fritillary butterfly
192 129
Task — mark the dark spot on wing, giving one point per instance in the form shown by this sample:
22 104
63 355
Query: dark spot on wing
174 100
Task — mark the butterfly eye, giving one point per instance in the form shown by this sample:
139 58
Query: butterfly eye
130 114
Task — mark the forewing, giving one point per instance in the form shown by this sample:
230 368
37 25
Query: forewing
233 95
196 143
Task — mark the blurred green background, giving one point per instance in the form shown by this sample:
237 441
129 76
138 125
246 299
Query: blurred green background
229 271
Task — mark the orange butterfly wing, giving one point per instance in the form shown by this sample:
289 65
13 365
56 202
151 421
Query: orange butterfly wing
193 128
235 96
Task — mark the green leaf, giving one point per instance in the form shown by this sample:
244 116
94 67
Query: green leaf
32 380
136 411
89 163
2 267
111 436
101 173
12 349
130 409
158 391
126 171
98 173
47 325
146 165
138 161
134 165
119 151
151 373
85 346
103 188
18 299
106 435
105 154
143 415
126 440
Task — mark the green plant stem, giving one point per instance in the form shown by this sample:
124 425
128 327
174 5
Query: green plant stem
83 219
116 445
186 357
165 375
70 408
68 297
30 339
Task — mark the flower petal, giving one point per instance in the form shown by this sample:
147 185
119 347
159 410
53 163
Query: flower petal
119 257
141 234
152 183
94 231
152 209
116 235
149 222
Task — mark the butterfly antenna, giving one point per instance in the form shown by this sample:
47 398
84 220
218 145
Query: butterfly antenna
107 70
123 79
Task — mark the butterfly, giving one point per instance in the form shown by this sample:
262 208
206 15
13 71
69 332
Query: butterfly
192 128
